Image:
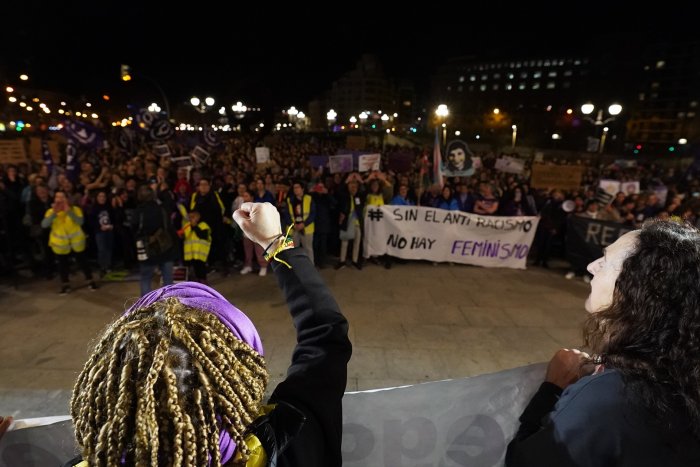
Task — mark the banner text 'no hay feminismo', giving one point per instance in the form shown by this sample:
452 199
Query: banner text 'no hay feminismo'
433 234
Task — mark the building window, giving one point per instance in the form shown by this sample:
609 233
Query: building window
561 62
536 85
449 88
537 74
460 88
472 78
642 96
471 88
551 85
484 77
495 87
681 115
566 85
406 103
518 65
691 114
568 73
521 86
655 85
547 63
461 79
552 74
654 95
694 104
482 87
660 64
523 74
532 63
577 62
509 86
511 76
496 76
539 62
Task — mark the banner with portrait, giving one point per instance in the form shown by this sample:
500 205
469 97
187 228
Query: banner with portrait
457 161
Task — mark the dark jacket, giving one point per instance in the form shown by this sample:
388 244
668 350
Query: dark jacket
317 377
148 218
596 422
345 204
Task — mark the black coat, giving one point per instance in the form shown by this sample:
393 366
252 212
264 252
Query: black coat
596 422
345 204
148 218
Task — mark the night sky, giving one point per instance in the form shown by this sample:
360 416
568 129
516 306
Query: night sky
290 58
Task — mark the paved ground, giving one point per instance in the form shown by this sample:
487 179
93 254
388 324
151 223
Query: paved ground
414 323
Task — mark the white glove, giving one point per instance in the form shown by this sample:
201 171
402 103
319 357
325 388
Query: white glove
259 221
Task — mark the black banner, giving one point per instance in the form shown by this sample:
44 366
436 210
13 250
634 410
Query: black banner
586 238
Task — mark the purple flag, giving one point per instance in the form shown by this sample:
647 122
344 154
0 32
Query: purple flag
46 155
72 168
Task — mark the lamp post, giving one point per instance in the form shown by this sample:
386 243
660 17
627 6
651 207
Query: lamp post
202 106
331 115
442 112
515 135
613 110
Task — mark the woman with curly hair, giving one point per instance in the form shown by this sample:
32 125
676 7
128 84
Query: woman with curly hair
179 379
637 401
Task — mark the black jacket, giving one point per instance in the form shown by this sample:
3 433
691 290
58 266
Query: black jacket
345 204
317 377
148 218
596 422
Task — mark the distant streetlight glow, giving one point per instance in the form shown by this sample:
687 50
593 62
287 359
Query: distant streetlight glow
496 111
23 77
209 101
12 99
195 101
682 141
9 89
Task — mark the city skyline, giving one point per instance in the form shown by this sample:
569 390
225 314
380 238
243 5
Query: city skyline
276 64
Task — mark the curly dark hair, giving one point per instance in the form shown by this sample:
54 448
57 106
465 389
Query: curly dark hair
650 332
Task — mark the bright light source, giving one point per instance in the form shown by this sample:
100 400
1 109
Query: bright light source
209 101
301 115
514 127
556 136
444 125
94 116
353 119
195 101
682 141
12 99
262 125
9 89
586 108
478 136
42 105
63 103
30 108
615 109
496 111
78 114
442 111
385 118
331 114
105 97
22 104
87 104
23 77
457 133
395 115
570 111
60 111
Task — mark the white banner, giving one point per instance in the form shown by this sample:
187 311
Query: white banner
461 422
412 232
262 155
510 165
367 162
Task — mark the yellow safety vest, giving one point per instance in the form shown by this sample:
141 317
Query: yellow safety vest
374 200
196 248
305 210
65 234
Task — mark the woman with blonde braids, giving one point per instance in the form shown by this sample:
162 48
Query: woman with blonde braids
179 379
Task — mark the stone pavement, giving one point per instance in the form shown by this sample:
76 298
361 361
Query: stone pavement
417 322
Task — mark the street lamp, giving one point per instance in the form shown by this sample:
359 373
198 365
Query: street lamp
239 110
363 118
202 106
515 134
331 115
613 110
442 112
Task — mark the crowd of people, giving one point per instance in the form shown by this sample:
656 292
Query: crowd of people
179 378
100 213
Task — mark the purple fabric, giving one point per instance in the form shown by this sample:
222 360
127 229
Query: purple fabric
205 298
202 297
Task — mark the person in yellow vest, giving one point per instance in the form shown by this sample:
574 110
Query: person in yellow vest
67 237
197 244
302 211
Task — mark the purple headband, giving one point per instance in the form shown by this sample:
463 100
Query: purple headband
202 297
